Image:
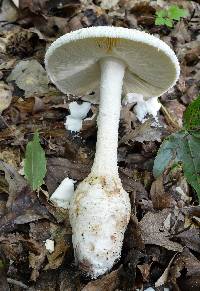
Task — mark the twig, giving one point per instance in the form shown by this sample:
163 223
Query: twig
169 118
18 283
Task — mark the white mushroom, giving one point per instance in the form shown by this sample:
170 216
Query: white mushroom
77 113
114 59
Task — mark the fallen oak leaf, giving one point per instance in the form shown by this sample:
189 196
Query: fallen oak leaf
154 232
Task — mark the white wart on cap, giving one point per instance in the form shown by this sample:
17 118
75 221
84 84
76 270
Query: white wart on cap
72 61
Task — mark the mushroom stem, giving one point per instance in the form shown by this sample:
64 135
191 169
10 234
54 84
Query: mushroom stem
112 74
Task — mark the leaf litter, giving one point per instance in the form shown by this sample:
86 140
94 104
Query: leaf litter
161 246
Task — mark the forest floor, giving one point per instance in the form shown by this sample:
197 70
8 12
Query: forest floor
162 243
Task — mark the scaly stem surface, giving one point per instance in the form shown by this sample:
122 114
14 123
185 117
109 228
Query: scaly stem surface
112 74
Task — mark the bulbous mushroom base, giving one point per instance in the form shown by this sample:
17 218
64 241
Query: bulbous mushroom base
99 214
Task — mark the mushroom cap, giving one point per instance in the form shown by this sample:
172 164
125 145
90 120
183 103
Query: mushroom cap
72 61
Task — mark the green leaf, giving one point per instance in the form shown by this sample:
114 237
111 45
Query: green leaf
167 153
35 163
169 22
190 156
191 119
167 16
161 13
159 21
184 147
175 13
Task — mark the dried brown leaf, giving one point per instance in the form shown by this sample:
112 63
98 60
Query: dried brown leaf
16 182
163 279
40 230
145 271
154 232
159 197
35 6
3 278
59 168
56 258
108 282
189 238
35 262
185 272
143 132
25 208
62 245
69 280
133 238
176 110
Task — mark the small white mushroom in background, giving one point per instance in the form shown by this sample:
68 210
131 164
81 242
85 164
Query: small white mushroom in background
113 59
77 113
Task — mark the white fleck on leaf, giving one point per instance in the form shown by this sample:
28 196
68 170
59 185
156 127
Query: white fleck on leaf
49 245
